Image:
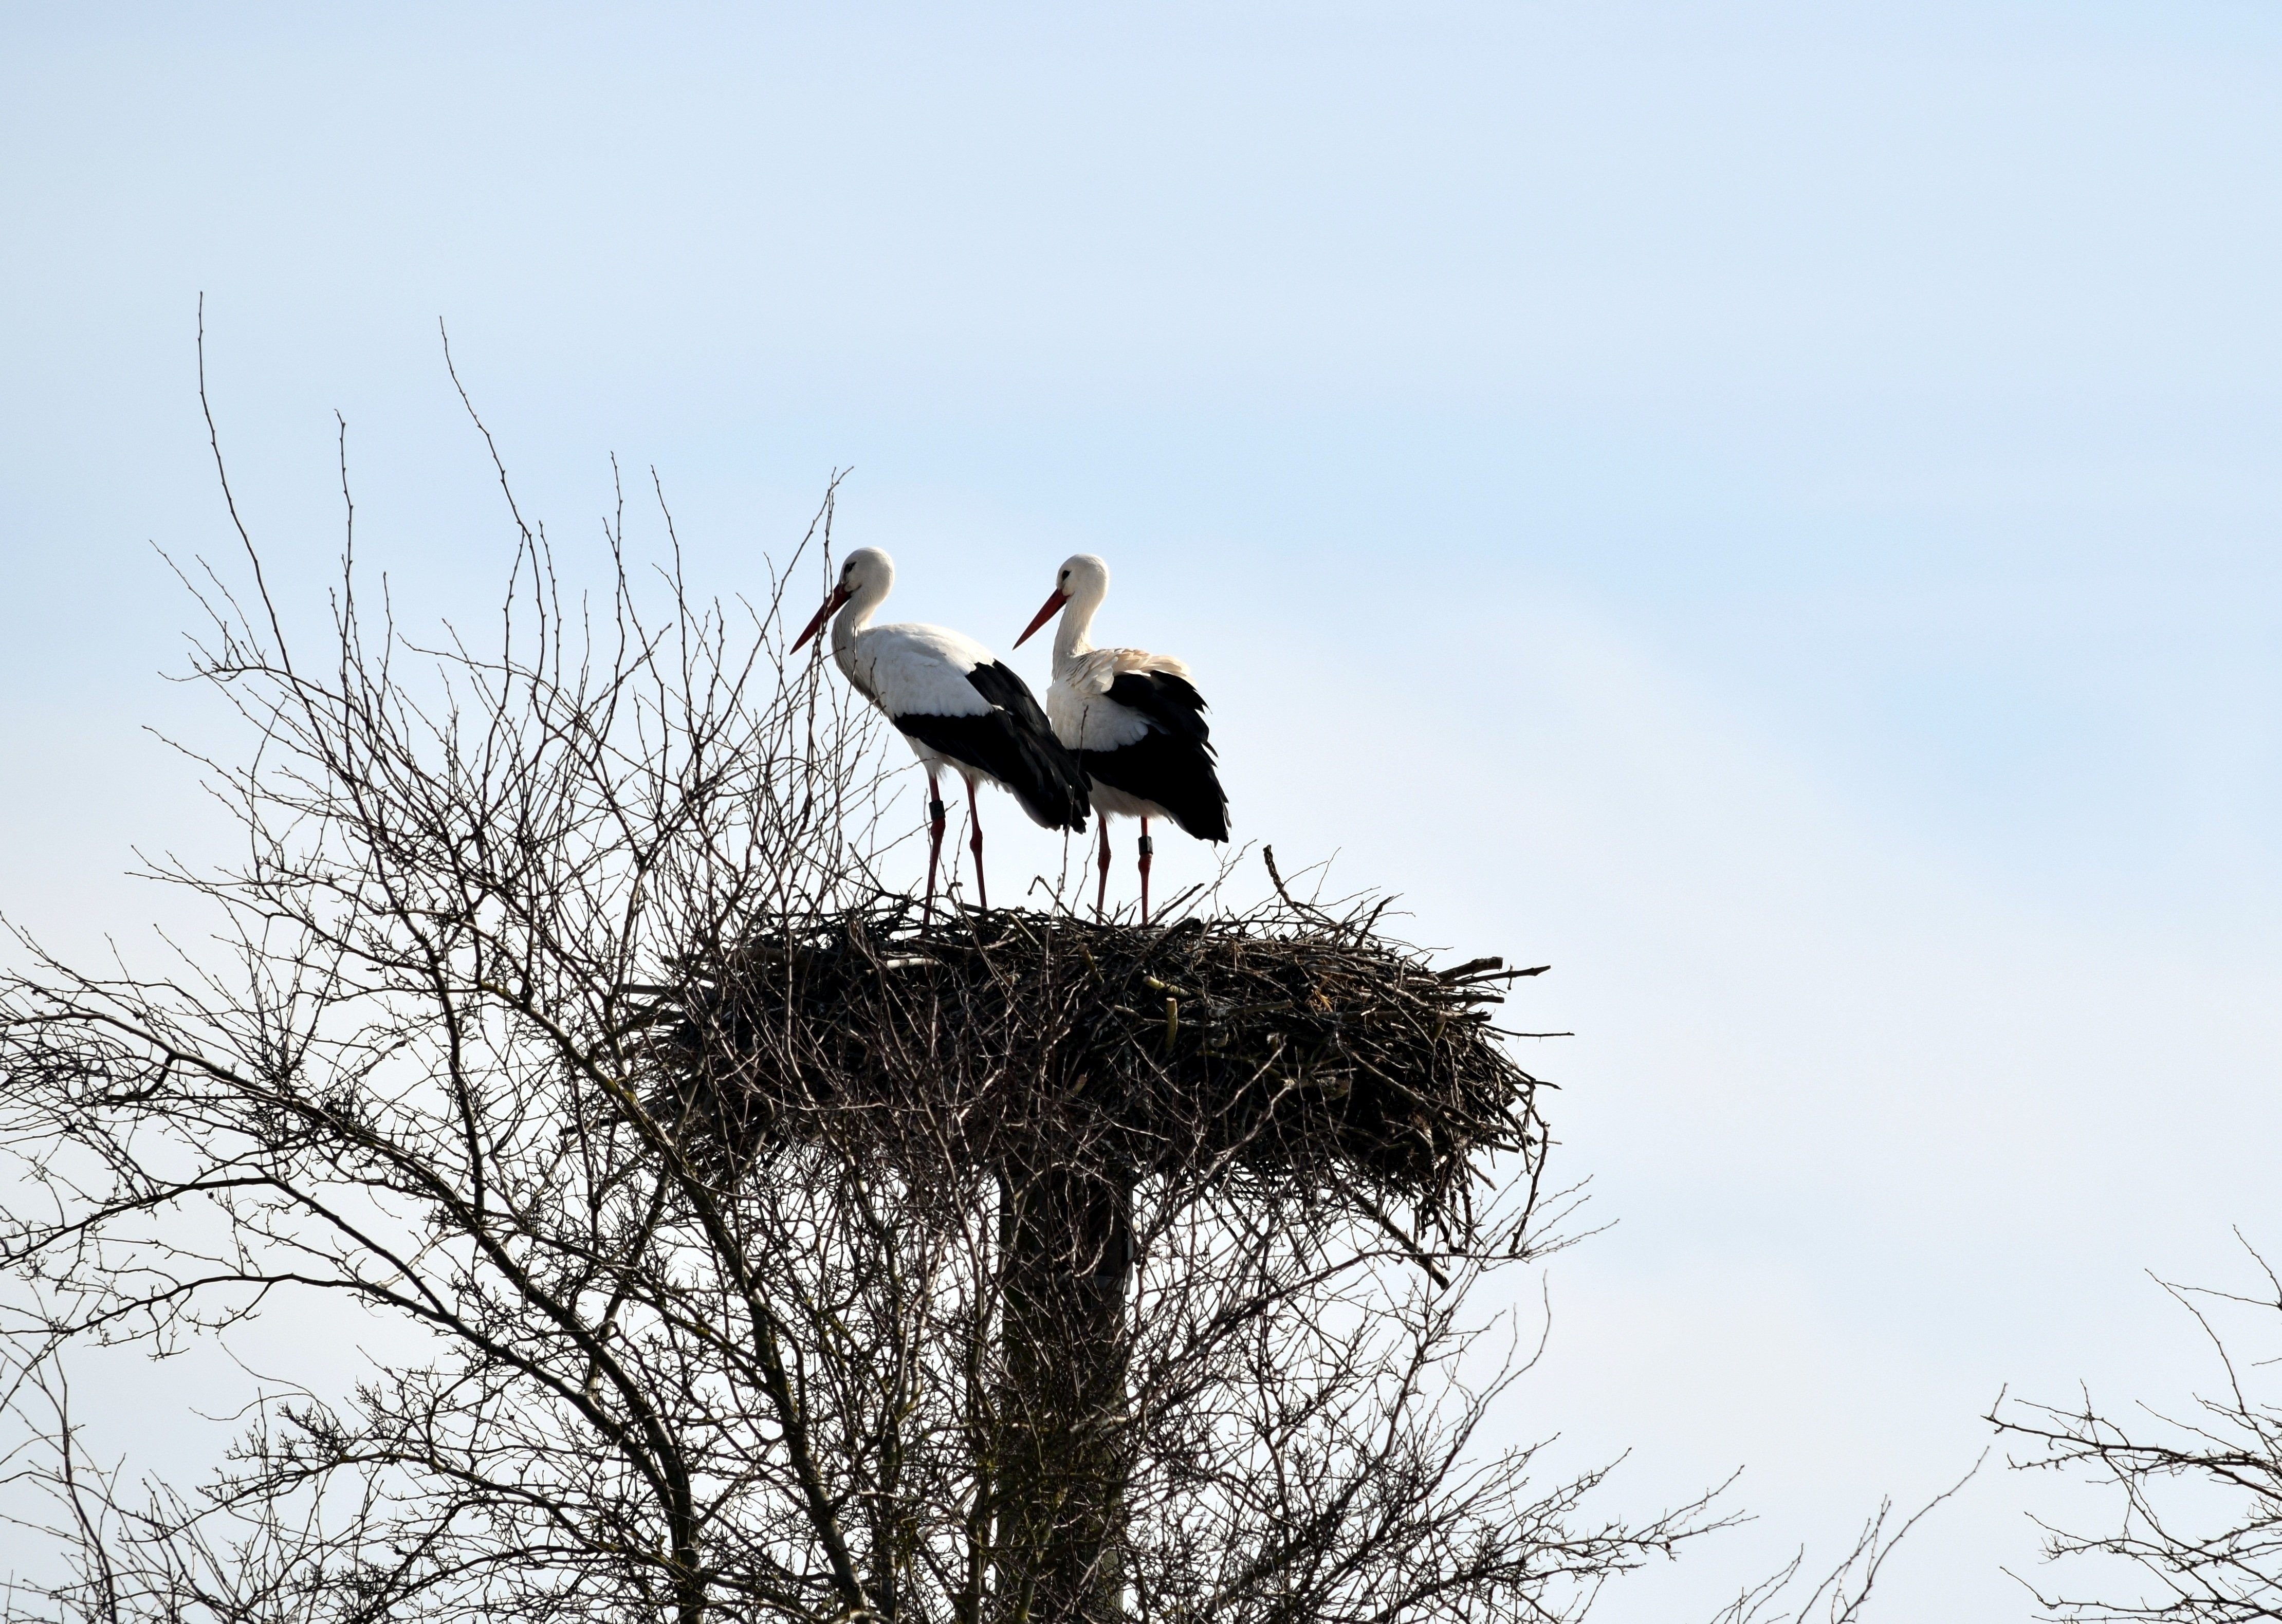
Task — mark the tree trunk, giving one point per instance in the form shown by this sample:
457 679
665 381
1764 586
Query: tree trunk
1062 1450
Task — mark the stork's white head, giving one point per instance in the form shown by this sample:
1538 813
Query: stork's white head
1083 580
865 576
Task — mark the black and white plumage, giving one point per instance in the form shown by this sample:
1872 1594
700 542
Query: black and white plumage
1135 720
955 704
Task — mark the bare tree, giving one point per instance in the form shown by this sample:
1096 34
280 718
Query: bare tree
2198 1533
1842 1595
732 1302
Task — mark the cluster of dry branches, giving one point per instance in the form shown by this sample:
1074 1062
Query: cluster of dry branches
1281 1042
2197 1538
660 1371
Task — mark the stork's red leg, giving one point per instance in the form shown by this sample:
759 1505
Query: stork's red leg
1148 849
975 822
935 845
1101 891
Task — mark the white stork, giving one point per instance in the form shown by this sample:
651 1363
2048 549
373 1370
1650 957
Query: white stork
1135 720
955 704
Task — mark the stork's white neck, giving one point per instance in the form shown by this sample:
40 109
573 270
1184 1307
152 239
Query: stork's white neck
1073 635
854 616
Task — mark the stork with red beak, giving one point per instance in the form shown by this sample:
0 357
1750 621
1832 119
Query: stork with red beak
1135 720
956 705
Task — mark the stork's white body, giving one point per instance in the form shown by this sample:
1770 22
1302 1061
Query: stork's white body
905 667
911 670
1088 720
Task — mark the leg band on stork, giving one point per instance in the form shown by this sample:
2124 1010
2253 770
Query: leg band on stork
1148 850
934 847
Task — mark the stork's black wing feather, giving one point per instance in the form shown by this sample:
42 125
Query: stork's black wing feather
1169 702
1012 743
1003 688
1173 762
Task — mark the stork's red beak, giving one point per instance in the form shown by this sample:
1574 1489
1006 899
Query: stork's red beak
840 594
1054 600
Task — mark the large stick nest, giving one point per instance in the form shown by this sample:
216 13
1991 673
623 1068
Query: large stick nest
1285 1045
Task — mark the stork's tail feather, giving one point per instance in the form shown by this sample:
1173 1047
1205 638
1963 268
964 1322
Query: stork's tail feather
1176 772
1046 780
1057 797
1054 791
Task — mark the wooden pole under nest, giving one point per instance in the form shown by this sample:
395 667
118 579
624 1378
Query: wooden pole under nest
1063 1462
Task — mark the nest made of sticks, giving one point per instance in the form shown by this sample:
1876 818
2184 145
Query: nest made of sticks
1283 1045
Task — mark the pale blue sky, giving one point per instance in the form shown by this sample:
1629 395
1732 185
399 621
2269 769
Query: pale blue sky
1769 507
